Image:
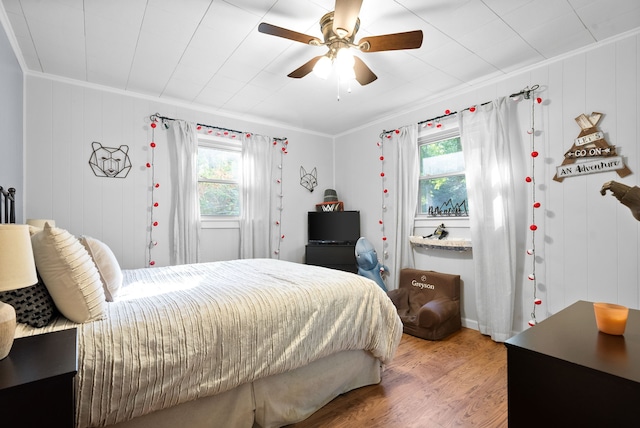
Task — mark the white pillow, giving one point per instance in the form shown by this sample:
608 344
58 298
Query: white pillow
69 274
107 265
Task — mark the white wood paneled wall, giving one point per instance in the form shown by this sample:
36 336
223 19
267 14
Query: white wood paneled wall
587 245
11 151
592 241
63 119
62 122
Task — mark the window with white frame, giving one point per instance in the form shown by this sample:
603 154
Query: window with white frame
219 173
442 183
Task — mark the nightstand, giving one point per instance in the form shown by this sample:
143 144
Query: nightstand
564 372
36 381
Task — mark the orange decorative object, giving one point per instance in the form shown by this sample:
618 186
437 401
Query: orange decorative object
611 318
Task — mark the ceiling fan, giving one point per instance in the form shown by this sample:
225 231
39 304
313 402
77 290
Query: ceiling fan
339 28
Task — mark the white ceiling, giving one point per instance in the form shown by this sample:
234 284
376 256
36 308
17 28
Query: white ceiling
211 54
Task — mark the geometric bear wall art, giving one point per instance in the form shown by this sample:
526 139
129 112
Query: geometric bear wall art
109 161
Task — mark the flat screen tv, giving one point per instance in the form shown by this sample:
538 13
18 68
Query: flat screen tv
333 227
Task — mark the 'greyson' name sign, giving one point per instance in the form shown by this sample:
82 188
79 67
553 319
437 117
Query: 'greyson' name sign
591 151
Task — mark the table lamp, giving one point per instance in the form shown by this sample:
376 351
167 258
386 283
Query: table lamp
17 270
39 222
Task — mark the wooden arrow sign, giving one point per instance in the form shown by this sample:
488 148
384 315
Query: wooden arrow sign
591 144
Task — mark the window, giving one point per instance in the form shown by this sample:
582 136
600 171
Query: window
442 186
219 171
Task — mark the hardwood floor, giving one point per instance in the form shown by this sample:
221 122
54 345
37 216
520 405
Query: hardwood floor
457 382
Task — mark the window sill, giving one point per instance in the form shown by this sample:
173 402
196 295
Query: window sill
211 223
441 244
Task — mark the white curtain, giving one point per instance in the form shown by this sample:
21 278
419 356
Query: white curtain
185 207
257 177
405 199
492 203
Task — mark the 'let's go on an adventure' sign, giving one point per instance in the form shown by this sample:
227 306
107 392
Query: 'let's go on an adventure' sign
590 167
590 152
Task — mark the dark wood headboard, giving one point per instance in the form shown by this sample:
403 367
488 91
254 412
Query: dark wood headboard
7 205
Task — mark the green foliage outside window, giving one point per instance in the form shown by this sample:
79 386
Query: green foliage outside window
218 181
442 186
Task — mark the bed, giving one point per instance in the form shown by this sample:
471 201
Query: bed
7 205
241 343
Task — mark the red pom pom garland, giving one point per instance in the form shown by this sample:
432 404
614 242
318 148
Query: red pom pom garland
151 167
280 144
533 227
384 191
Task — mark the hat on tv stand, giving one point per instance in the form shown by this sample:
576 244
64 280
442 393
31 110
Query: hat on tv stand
330 195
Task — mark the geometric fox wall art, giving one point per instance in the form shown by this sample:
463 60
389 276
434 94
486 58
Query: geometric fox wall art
308 180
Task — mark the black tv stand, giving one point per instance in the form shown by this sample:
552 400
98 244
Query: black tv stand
335 256
332 239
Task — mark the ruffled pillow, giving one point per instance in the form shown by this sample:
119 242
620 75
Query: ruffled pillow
69 274
107 264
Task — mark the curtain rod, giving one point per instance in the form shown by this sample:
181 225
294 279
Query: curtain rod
526 92
164 119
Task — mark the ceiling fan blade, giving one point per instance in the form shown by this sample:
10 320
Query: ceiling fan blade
305 68
288 34
364 75
390 42
345 17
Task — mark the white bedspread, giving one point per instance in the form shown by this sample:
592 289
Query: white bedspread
182 332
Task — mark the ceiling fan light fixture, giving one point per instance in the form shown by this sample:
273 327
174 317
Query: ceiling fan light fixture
322 69
346 73
339 28
344 63
344 58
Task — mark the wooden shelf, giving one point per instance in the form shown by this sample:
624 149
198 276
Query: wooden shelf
441 244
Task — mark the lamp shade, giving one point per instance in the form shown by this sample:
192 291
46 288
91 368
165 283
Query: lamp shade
39 222
17 266
17 270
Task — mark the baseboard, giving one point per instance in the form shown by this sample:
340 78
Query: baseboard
468 323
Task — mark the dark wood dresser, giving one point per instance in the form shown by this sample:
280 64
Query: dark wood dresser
563 372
